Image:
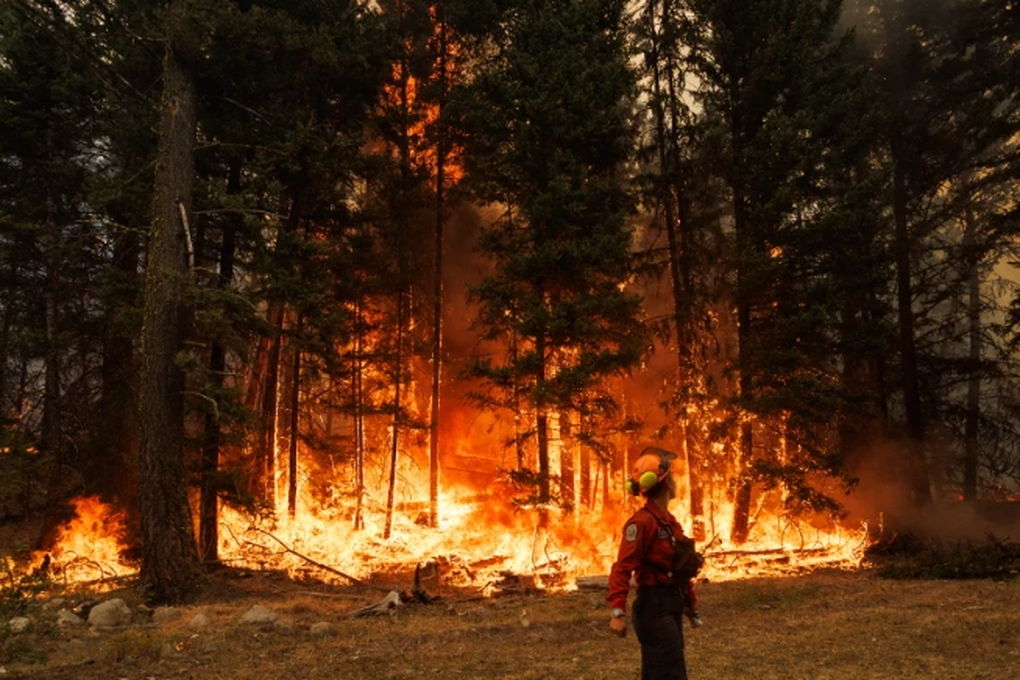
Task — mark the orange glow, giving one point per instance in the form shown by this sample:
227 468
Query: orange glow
88 547
482 539
423 117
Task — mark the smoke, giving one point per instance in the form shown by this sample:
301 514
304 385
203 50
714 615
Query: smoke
882 498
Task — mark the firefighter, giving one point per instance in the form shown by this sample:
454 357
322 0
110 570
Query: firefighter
648 550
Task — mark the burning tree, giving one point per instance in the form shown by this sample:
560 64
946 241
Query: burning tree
549 136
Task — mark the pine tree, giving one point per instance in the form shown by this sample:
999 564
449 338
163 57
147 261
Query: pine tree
950 103
51 251
549 137
170 564
782 99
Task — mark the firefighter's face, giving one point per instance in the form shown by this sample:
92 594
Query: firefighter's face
671 486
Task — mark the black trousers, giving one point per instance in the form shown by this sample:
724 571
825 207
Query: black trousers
658 624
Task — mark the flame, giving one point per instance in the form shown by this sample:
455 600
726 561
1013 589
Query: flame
423 117
482 542
89 547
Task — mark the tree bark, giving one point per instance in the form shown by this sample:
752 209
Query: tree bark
50 427
676 215
170 564
917 471
208 513
359 422
742 500
295 402
118 400
567 490
437 293
391 486
973 418
542 426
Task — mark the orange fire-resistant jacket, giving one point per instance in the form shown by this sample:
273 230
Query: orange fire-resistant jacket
646 551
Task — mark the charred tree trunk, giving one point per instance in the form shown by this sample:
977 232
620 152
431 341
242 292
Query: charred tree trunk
208 513
676 218
742 499
917 467
585 464
295 402
398 369
973 418
50 427
359 423
170 563
266 471
519 435
567 490
435 405
542 426
118 400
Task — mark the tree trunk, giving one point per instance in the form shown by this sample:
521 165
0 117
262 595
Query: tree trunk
208 513
118 400
266 454
920 487
359 424
567 490
437 294
672 201
519 435
170 564
50 426
742 499
391 487
973 419
295 400
587 498
542 427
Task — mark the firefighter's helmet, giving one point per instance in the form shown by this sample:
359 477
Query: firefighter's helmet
651 467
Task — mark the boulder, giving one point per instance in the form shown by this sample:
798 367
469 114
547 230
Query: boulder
110 614
259 615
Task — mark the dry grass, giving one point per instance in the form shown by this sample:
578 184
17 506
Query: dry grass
824 625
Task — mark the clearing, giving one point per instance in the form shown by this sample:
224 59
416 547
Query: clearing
824 625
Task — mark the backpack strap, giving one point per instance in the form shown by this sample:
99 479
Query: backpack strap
687 561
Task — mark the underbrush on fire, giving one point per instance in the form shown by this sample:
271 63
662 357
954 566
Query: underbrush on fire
827 624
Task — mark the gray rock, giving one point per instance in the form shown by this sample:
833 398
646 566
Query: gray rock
19 624
200 620
259 615
321 629
164 615
110 614
68 618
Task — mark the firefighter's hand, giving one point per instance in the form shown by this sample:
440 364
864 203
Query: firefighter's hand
618 624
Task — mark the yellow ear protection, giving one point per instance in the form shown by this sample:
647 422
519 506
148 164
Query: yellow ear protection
649 479
650 469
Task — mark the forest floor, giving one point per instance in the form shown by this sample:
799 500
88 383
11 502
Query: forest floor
823 625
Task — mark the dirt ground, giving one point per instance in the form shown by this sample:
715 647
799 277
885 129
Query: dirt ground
826 625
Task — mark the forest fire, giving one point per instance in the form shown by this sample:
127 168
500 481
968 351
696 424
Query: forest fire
483 543
87 548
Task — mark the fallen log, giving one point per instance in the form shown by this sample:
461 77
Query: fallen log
387 605
767 553
592 582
